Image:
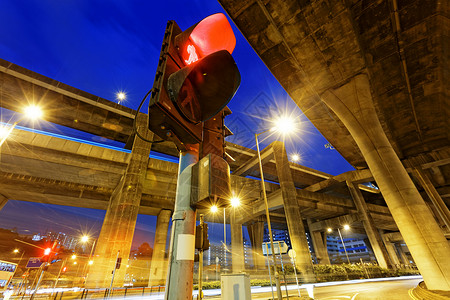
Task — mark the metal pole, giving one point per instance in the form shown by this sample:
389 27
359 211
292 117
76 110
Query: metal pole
113 273
270 275
345 249
86 270
200 262
37 284
59 274
296 278
284 273
179 281
224 238
266 204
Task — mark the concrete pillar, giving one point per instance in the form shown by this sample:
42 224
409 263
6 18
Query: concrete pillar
120 219
292 211
391 251
158 267
3 201
402 253
441 208
256 234
369 226
320 249
352 103
237 244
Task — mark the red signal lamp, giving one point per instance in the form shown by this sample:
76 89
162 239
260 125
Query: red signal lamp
203 89
212 34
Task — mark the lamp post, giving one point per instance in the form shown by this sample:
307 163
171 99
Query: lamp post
31 112
283 125
234 202
85 239
346 227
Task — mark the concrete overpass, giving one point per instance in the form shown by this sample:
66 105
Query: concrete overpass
371 76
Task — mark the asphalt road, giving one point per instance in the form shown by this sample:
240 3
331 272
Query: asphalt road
382 290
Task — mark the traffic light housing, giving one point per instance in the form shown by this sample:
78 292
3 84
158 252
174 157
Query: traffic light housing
196 77
118 262
201 237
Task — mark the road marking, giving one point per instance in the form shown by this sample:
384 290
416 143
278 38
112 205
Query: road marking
411 294
354 296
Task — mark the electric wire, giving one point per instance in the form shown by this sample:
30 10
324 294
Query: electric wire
135 117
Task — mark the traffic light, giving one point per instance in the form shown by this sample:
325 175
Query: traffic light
196 77
201 237
46 256
118 262
205 237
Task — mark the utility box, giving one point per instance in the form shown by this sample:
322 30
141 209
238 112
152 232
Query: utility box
235 287
210 181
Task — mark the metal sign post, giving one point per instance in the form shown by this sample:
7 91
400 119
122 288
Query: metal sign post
292 255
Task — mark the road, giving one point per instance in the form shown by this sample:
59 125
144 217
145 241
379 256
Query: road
374 289
392 290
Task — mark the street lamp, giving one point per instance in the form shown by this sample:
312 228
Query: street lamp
120 96
32 112
295 157
346 227
283 125
234 202
85 239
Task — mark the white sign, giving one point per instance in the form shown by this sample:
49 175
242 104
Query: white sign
186 247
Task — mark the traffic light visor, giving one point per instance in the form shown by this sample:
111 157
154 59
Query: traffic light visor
203 89
212 34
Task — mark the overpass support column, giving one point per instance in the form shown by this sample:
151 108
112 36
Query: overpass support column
402 253
391 250
256 234
352 103
118 226
438 203
319 248
237 245
3 201
369 226
158 267
292 211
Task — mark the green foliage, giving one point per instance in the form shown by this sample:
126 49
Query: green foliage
326 273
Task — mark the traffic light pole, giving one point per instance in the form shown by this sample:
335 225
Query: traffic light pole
179 282
200 263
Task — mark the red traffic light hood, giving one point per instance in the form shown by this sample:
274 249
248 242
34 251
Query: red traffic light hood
212 34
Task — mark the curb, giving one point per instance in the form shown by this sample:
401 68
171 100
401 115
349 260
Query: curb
421 292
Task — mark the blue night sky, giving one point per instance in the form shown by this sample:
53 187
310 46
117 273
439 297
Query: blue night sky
103 47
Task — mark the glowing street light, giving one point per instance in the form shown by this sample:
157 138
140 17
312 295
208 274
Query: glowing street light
121 96
16 251
74 256
214 208
84 238
283 125
32 112
295 157
235 201
346 227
